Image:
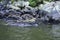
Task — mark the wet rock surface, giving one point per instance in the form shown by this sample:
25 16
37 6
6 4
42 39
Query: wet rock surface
31 17
54 12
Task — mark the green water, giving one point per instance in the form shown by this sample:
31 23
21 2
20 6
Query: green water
43 32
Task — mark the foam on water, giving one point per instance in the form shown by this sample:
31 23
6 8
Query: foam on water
21 24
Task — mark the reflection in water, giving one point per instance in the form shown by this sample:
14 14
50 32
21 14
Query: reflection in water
56 31
27 33
43 32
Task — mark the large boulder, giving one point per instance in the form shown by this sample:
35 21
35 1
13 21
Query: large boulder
54 11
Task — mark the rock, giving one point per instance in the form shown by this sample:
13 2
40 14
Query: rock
13 7
54 11
21 3
42 13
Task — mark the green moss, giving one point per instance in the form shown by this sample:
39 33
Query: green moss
34 3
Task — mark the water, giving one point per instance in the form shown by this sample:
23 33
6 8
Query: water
42 32
18 33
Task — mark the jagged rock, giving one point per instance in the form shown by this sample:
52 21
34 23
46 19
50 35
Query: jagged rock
54 11
21 3
31 16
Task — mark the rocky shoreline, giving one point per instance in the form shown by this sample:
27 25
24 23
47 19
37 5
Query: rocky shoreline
31 17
